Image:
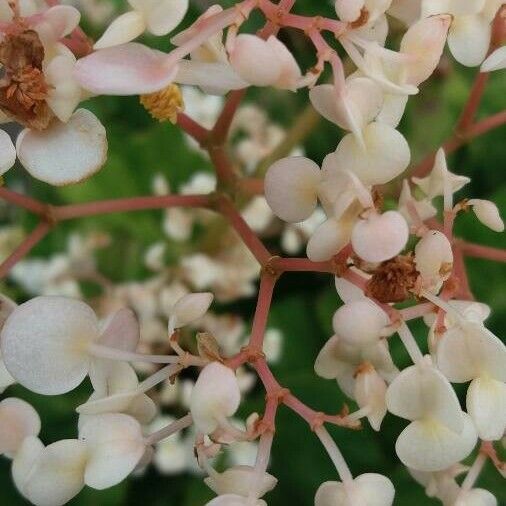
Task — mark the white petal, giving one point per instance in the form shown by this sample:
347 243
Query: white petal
370 390
234 500
431 446
6 379
349 10
385 156
330 493
64 153
216 395
469 39
360 322
290 72
375 489
18 420
328 240
57 475
191 307
488 213
240 480
121 331
255 60
162 16
495 61
486 404
476 497
425 41
25 461
57 22
291 188
216 76
8 152
333 357
115 446
129 69
347 291
421 392
380 236
433 258
393 109
123 29
56 330
406 11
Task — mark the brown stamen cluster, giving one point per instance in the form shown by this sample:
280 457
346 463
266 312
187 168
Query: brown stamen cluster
393 280
23 88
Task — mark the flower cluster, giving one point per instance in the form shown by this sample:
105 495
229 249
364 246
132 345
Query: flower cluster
384 247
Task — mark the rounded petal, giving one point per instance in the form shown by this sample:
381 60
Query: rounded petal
18 421
55 330
239 480
115 447
370 391
290 73
57 22
8 152
57 475
121 331
469 39
328 240
64 153
486 404
234 500
216 395
331 493
129 69
495 61
347 291
422 392
477 497
123 29
291 186
380 237
393 109
375 489
386 154
162 16
329 362
360 322
255 60
25 461
434 258
349 10
430 446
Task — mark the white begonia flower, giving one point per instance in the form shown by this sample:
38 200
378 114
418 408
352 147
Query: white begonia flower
495 61
51 475
380 237
470 310
114 445
470 31
215 397
61 333
368 489
434 259
235 500
339 360
488 213
468 351
189 308
439 434
370 392
476 497
361 322
65 153
159 17
18 420
264 62
209 66
239 480
434 184
423 208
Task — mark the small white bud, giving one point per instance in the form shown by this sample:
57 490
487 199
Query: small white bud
370 391
189 308
488 213
434 259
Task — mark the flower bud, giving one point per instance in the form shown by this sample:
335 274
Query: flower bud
328 239
434 259
189 308
215 397
370 390
488 213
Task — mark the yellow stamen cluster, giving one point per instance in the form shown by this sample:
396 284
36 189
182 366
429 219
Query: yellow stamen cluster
164 105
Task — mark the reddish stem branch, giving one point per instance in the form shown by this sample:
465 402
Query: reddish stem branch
28 203
222 126
478 251
301 265
251 241
192 128
225 172
129 204
35 236
267 283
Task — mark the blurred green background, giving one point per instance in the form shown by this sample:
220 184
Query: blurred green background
140 147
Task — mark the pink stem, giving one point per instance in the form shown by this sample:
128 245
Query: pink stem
267 283
224 170
251 186
35 236
23 201
301 265
413 312
477 250
192 128
129 204
222 126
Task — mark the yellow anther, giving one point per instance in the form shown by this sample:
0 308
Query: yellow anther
164 105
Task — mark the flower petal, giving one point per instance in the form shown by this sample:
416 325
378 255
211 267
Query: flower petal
18 421
328 240
161 16
123 29
469 39
65 153
8 152
495 61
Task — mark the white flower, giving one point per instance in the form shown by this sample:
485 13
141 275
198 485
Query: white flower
159 17
215 397
495 61
370 391
365 490
434 259
488 213
189 308
439 434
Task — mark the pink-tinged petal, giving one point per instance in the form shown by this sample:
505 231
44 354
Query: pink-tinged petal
57 22
123 29
496 61
7 152
161 16
129 69
65 153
